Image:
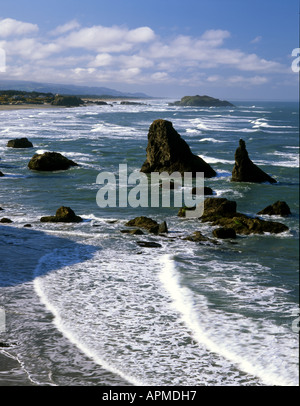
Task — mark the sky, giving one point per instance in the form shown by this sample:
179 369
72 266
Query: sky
229 49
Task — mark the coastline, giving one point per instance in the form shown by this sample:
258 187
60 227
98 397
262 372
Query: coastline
5 107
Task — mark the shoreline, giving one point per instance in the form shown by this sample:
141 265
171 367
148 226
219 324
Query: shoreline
8 107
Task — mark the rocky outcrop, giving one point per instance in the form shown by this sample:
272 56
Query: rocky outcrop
201 101
245 170
63 215
19 143
222 212
168 152
1 174
67 101
148 224
50 161
278 208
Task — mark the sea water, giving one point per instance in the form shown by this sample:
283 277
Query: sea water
86 305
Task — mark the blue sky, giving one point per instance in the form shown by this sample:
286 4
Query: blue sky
230 49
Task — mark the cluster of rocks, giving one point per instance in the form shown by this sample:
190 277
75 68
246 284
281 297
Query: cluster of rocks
168 152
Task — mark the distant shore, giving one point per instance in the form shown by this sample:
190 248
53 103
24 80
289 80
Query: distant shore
4 107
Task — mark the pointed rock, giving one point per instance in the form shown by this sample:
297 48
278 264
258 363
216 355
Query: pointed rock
168 152
245 170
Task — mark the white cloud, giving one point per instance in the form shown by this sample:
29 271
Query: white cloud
107 39
119 54
256 40
62 29
10 27
104 59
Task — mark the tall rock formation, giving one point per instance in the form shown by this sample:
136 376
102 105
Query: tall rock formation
245 170
168 152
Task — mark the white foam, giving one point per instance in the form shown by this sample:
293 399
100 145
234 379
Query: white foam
211 160
222 333
211 140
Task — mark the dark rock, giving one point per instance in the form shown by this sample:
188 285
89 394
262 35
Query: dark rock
130 103
222 212
277 209
5 220
163 228
218 207
197 236
63 215
1 174
50 161
67 101
201 101
27 225
168 152
207 191
245 170
19 143
148 244
224 233
144 222
135 231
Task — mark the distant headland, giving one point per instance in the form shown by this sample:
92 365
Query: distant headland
201 101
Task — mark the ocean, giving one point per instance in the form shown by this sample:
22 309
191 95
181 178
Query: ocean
85 305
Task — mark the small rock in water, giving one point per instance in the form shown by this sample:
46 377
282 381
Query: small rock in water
148 244
278 208
63 215
19 143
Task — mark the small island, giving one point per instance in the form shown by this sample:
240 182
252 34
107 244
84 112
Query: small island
201 101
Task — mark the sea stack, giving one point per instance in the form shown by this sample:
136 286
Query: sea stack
168 152
245 170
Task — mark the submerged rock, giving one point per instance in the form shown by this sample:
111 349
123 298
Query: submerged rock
245 170
63 215
278 208
148 244
19 143
222 212
201 101
168 152
50 161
